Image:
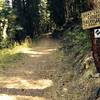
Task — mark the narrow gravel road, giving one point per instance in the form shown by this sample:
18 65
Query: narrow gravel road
32 78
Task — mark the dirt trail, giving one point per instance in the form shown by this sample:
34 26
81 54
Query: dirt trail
32 78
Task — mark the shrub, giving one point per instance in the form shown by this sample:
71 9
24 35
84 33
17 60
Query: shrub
77 40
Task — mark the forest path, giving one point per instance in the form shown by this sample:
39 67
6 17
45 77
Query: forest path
32 78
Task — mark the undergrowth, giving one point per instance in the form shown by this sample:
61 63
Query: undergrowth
13 54
10 56
76 40
77 51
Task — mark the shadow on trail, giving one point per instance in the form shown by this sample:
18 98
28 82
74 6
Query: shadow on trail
33 74
23 92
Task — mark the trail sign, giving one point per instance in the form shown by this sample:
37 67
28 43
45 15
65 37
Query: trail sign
96 4
91 19
97 33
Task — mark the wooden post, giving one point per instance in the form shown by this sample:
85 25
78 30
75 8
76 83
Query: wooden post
96 50
96 41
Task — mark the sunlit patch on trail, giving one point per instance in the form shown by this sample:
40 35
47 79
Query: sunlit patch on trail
39 84
30 78
12 97
36 56
49 50
42 52
19 83
33 53
6 97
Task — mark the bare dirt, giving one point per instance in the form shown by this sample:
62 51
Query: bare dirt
43 74
32 77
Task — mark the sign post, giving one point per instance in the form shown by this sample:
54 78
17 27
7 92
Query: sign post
91 20
96 48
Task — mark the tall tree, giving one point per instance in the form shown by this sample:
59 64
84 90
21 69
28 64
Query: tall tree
28 15
57 11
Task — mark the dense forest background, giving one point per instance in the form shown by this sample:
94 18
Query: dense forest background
22 18
44 51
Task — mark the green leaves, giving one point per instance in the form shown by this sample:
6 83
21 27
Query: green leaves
57 11
77 40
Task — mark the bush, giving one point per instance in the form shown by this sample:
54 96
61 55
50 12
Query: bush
77 40
57 34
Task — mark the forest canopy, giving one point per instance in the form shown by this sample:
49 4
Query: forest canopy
21 18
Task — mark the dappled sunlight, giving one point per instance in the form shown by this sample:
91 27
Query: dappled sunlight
39 84
29 78
12 97
6 97
35 52
19 83
21 89
42 48
49 50
42 52
36 56
38 53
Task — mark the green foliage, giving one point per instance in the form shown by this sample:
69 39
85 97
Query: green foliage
83 5
7 56
28 15
76 40
62 11
44 16
57 11
36 16
5 43
9 25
